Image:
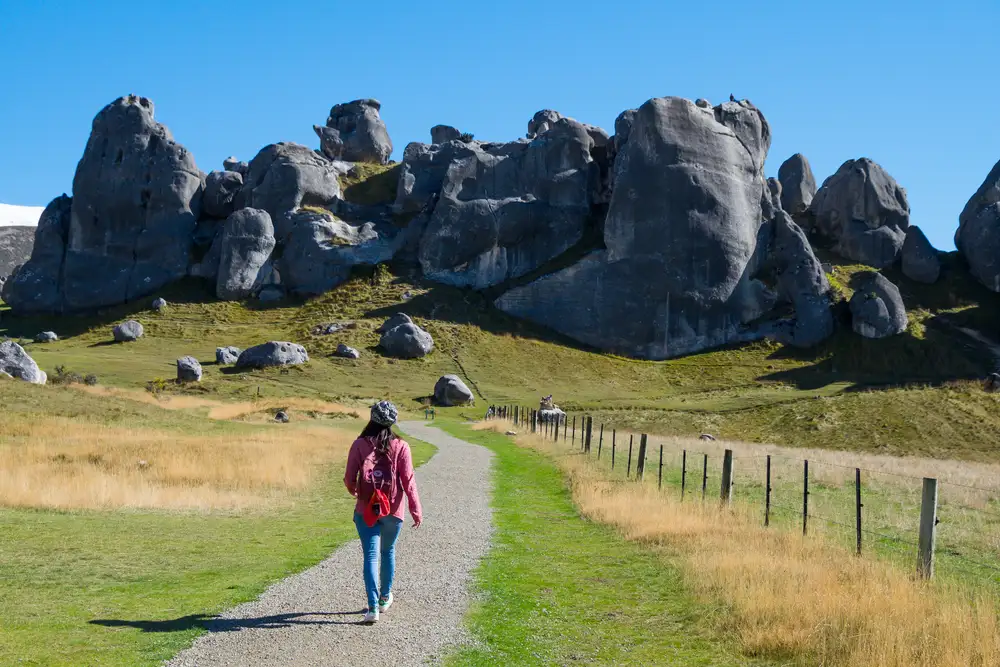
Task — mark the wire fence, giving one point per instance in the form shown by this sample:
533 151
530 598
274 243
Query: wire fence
942 527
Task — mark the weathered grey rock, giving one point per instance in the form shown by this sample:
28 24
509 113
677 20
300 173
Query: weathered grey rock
449 390
246 244
188 370
226 356
159 304
281 417
16 363
798 185
978 233
274 353
863 212
393 322
221 189
877 309
698 243
127 331
703 103
36 286
233 164
542 122
15 248
328 328
355 132
283 177
774 186
346 352
406 341
444 133
551 415
802 282
920 259
46 337
320 251
270 294
421 174
137 197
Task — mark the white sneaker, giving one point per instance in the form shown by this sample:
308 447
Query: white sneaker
371 616
383 605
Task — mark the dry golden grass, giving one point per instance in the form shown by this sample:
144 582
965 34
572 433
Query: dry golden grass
62 463
786 597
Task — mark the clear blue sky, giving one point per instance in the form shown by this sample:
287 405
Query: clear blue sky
912 85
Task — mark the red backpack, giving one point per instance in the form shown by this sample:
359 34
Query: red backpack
378 485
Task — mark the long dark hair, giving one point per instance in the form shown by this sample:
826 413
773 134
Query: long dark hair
381 435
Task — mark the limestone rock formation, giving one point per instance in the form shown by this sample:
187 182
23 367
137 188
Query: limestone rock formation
863 213
36 286
355 132
449 390
393 322
15 249
699 242
246 244
798 185
441 134
16 363
46 337
274 353
159 304
127 332
188 370
978 234
346 352
233 164
774 187
877 309
221 189
406 341
920 259
227 356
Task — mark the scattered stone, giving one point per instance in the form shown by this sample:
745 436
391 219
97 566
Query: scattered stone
450 390
992 383
246 244
159 304
798 185
355 132
16 363
188 370
346 352
511 433
407 295
127 332
46 337
407 341
706 436
442 134
393 322
877 309
920 259
332 328
281 417
226 356
274 353
221 189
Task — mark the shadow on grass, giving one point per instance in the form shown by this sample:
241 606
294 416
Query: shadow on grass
216 624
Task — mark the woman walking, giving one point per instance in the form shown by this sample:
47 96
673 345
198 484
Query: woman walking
379 473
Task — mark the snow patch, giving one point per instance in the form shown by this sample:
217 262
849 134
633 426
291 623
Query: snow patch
20 216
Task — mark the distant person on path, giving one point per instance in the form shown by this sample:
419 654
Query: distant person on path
379 473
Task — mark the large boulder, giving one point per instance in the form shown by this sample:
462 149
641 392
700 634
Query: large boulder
877 309
15 362
978 234
863 213
441 134
227 356
355 132
450 390
675 277
246 244
221 189
393 322
321 250
46 337
188 370
15 249
407 341
36 286
232 163
798 185
127 332
286 176
421 174
274 353
506 209
136 200
920 260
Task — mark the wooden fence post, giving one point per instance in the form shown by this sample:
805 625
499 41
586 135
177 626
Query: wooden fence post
928 528
805 496
600 441
556 431
659 475
590 433
858 505
684 471
726 491
767 494
613 443
574 430
704 476
628 471
640 462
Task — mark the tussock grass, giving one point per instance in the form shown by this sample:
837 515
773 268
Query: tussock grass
785 597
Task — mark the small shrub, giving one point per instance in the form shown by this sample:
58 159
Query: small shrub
466 137
156 386
90 380
63 376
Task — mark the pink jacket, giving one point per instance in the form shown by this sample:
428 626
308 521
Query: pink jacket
406 485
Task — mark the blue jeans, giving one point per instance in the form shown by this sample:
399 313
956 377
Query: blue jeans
385 531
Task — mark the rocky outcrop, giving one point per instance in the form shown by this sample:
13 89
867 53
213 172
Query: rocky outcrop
920 260
231 163
863 213
284 177
406 341
877 309
274 353
221 189
355 132
774 188
798 185
441 134
36 286
188 370
422 173
227 356
15 249
449 390
16 363
127 332
978 234
246 244
699 242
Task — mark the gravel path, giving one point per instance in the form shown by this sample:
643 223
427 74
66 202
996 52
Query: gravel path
312 618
